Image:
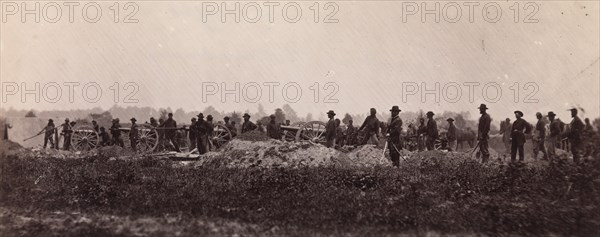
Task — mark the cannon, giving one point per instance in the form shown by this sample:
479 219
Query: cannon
313 131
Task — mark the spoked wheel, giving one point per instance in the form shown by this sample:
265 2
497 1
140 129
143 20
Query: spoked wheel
147 138
84 138
313 131
293 135
220 136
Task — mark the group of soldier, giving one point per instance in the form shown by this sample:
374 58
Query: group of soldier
200 131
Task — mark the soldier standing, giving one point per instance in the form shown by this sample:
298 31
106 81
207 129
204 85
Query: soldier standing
432 131
104 136
170 133
371 128
330 129
519 128
49 132
540 137
350 133
505 130
273 130
589 136
210 128
115 131
339 133
393 136
67 132
201 129
554 136
482 133
192 134
451 135
133 134
248 125
574 135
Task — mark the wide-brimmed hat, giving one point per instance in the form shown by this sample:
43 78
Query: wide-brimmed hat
331 112
246 115
193 119
483 106
572 109
226 118
551 114
133 119
67 120
200 115
518 112
209 116
450 120
395 108
272 116
430 113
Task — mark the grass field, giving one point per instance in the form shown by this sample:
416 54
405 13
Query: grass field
98 196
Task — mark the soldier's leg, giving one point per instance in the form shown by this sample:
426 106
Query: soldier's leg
45 141
521 152
394 155
543 149
513 151
133 144
485 152
536 148
551 147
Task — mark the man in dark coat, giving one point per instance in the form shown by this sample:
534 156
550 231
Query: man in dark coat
350 133
451 135
192 135
104 136
170 126
330 129
554 136
48 131
133 134
520 127
432 131
248 125
339 133
370 127
575 138
394 132
483 130
66 132
273 130
540 137
201 129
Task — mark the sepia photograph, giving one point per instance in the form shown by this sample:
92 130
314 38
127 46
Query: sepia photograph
299 118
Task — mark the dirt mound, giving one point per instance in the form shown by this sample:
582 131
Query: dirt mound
253 136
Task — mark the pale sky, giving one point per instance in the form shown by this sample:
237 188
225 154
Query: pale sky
368 54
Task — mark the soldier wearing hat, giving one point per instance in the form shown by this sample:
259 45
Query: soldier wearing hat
393 135
273 130
170 131
483 129
350 133
505 130
193 134
370 127
210 128
432 131
48 131
200 128
520 127
248 125
330 129
115 132
576 129
66 133
554 136
540 137
133 134
451 135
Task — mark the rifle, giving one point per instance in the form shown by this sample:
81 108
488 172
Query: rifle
32 137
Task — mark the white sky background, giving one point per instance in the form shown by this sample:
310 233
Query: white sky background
369 54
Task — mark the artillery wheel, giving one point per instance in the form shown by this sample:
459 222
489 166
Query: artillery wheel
84 138
293 136
220 136
313 131
147 138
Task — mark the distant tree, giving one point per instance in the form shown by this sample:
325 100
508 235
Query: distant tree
309 117
235 117
290 113
30 114
163 114
103 119
346 118
279 116
180 115
211 111
261 111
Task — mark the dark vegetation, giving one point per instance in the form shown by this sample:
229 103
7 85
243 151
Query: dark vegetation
431 194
